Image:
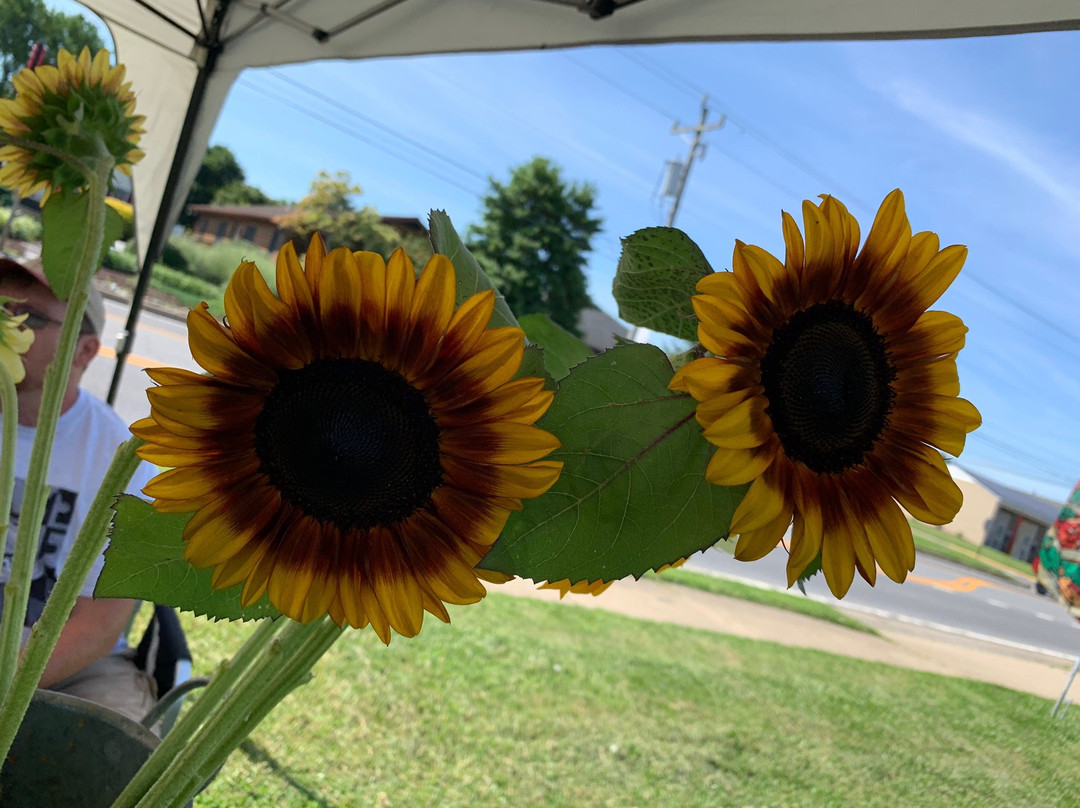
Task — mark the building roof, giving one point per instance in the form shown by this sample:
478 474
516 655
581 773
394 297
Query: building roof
265 213
1038 509
273 213
598 329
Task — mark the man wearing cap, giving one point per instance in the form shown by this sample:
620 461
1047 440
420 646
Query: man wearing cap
88 660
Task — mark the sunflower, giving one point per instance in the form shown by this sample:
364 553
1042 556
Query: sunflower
597 587
14 341
80 107
564 587
359 443
831 389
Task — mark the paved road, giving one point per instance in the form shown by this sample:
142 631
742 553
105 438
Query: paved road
938 594
158 341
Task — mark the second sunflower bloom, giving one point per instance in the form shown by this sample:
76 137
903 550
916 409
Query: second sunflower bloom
831 389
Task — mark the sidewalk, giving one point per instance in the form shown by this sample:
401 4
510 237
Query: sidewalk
900 644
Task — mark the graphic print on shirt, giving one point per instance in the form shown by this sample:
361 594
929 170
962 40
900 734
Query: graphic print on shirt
59 511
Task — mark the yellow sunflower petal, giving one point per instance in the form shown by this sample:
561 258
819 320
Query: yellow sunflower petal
761 504
838 557
890 538
794 254
939 274
807 535
738 466
744 426
756 544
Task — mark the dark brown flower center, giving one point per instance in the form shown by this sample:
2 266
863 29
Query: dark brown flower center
349 442
828 379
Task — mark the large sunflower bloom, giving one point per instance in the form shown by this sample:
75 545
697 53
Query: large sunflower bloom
359 444
829 388
79 108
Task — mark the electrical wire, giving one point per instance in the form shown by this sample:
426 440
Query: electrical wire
351 132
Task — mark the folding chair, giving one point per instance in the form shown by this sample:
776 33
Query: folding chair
163 653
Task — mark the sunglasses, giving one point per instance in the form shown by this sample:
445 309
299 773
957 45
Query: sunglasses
36 320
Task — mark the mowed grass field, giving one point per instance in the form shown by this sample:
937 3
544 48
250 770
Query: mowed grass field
527 703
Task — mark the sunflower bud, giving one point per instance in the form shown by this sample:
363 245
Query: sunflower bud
82 109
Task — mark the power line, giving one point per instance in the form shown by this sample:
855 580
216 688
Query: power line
309 90
1034 315
1032 461
336 124
681 83
660 71
624 90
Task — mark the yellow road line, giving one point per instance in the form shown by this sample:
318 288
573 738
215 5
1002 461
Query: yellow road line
963 584
132 359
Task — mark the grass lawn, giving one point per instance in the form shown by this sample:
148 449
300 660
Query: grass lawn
932 541
793 602
529 703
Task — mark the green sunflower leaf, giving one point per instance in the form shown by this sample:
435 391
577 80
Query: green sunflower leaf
533 364
562 350
812 569
632 495
658 270
63 220
145 560
471 277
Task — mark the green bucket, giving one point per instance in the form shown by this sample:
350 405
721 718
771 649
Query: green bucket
70 752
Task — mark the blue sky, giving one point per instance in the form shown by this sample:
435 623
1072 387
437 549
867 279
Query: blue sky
979 133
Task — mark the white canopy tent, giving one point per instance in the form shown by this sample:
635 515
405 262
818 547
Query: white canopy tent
183 55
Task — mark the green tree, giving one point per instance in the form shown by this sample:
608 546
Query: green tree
219 169
329 210
240 193
535 235
26 22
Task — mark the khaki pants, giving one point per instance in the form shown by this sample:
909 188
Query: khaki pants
114 682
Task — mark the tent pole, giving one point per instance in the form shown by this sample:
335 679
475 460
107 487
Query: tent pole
213 46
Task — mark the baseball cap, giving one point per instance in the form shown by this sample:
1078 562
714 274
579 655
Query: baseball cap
95 303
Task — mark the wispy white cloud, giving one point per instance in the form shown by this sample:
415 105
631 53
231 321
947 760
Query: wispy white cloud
1028 155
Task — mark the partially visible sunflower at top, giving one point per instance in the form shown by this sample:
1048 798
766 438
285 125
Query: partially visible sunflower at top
359 443
81 108
831 389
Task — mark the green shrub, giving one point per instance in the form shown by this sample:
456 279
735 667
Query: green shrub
25 227
215 262
189 290
172 256
121 261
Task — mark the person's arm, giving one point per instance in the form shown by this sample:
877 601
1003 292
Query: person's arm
90 633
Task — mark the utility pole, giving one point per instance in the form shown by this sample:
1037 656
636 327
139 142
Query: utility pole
696 150
677 176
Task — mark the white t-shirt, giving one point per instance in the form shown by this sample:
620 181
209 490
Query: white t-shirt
87 436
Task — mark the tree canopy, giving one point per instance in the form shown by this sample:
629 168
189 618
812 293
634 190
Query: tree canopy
328 208
534 238
220 181
26 22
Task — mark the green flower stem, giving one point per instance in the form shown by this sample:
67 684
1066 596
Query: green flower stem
10 403
46 631
297 672
229 671
35 493
283 665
